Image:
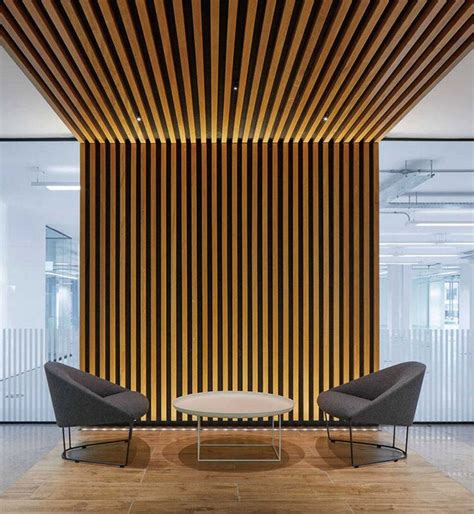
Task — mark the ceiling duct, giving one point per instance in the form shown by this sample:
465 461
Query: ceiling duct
401 183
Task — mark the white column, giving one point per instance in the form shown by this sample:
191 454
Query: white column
466 295
436 305
399 297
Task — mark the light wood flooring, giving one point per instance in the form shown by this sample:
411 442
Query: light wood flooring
163 476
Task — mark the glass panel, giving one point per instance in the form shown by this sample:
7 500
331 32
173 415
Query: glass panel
39 234
427 269
62 305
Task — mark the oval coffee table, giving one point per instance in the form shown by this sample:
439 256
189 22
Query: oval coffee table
235 404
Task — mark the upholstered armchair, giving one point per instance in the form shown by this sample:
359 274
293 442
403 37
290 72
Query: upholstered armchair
82 399
386 397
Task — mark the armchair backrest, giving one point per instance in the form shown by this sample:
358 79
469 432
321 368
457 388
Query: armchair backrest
393 391
78 397
372 386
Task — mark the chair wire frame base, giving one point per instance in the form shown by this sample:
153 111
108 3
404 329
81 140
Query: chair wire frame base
403 453
83 446
276 449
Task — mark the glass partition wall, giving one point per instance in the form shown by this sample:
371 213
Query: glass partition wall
62 297
39 279
427 269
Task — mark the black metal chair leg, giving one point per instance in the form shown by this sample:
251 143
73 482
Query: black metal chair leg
351 442
352 446
83 446
130 432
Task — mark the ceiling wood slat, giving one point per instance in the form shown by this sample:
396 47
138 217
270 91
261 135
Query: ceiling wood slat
34 77
367 87
94 66
414 70
462 44
303 110
264 38
241 85
289 5
167 49
297 93
92 19
245 70
118 40
365 64
69 61
466 47
124 8
24 48
290 61
43 55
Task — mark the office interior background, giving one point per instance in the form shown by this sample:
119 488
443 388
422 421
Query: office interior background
195 266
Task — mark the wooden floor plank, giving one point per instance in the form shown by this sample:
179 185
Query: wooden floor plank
164 476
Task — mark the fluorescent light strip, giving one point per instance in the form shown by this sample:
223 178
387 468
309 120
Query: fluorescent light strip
399 263
450 255
444 223
52 273
423 243
58 186
419 255
64 188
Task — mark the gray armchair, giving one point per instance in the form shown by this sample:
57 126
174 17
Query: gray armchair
387 397
82 399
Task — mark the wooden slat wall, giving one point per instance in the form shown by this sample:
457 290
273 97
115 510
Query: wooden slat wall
229 266
240 70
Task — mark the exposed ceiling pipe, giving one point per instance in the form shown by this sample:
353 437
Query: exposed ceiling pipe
397 212
402 183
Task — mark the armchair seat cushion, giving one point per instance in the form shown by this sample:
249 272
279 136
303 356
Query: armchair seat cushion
341 405
134 404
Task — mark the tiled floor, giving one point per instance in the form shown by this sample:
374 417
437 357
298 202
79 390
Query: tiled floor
450 448
23 445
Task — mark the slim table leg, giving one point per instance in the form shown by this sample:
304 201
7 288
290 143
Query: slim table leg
273 432
279 437
199 438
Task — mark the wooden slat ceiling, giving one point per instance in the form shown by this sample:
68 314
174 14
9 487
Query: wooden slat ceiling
237 70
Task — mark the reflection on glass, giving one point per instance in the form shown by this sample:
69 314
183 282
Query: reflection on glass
61 297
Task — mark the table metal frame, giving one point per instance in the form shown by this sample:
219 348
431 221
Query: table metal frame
276 449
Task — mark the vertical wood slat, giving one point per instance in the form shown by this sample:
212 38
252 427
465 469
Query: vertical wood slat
230 222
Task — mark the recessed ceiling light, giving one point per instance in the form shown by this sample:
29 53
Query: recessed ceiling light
138 118
235 88
325 118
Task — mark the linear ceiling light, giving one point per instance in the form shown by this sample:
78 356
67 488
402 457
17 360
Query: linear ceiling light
451 255
423 243
58 186
399 263
444 223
